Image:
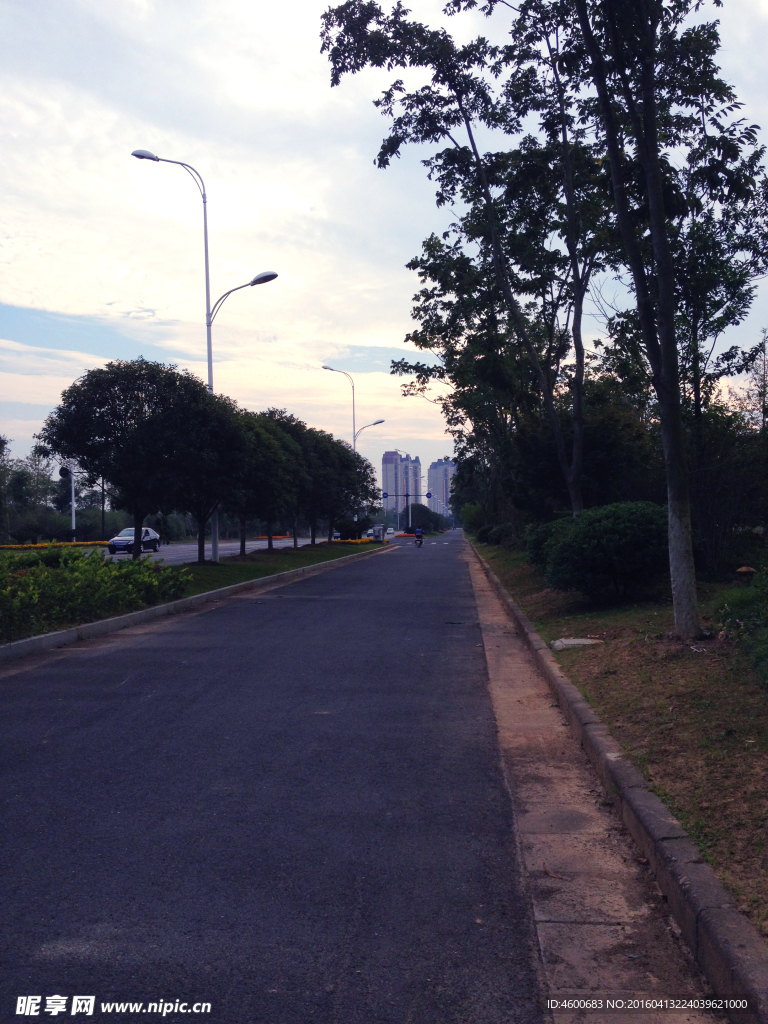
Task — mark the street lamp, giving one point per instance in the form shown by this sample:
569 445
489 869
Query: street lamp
262 278
354 434
359 432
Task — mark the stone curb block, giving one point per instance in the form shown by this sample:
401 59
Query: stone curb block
726 946
50 641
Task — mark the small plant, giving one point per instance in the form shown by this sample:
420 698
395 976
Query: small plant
743 615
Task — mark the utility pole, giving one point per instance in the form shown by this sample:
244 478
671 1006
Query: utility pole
72 495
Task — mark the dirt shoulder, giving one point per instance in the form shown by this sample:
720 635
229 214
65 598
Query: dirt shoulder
692 716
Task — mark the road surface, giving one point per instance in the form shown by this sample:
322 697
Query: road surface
289 806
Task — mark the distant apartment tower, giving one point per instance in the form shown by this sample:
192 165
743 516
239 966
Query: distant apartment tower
400 476
439 476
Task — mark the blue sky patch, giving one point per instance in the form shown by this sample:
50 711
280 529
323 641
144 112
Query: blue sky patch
93 335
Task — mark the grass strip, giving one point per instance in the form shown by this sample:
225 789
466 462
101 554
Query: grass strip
693 716
235 569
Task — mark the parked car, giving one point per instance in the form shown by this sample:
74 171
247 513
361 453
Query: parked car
369 533
150 541
336 535
390 532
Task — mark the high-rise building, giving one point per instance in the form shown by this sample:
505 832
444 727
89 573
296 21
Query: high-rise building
390 480
400 480
439 476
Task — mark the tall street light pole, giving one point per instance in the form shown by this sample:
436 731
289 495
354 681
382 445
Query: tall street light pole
354 441
263 278
354 434
144 154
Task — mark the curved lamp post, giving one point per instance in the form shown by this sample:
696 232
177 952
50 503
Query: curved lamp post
262 278
359 432
354 434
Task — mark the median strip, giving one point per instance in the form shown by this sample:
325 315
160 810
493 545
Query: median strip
61 638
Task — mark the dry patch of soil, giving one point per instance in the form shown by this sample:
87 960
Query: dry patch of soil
692 716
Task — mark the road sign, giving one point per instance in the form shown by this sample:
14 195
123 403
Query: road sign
385 495
428 494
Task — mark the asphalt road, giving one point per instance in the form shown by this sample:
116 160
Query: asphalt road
289 805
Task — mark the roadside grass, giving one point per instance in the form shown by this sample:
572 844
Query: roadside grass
236 569
692 716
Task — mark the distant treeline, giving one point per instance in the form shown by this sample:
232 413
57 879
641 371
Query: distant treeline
153 446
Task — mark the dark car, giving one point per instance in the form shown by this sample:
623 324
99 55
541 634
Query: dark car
150 541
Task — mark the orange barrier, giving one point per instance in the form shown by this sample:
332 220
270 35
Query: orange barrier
56 544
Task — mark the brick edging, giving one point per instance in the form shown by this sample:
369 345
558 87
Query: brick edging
49 641
725 944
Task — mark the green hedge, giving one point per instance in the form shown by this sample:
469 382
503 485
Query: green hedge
52 588
619 548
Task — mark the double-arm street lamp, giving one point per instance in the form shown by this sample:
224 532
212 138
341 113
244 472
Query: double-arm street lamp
355 433
210 313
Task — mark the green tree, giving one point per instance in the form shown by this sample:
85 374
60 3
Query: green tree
535 216
137 424
300 496
658 89
211 448
281 487
638 82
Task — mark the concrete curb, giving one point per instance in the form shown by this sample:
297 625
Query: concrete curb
726 946
49 641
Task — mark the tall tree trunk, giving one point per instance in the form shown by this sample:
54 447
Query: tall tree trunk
295 533
103 513
313 532
201 524
242 536
138 525
330 531
270 531
658 328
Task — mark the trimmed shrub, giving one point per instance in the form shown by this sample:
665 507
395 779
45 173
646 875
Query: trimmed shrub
45 590
620 548
539 536
503 534
483 534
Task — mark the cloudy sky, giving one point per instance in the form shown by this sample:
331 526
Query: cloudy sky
101 254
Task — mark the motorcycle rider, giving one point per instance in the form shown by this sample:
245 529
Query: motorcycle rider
419 535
